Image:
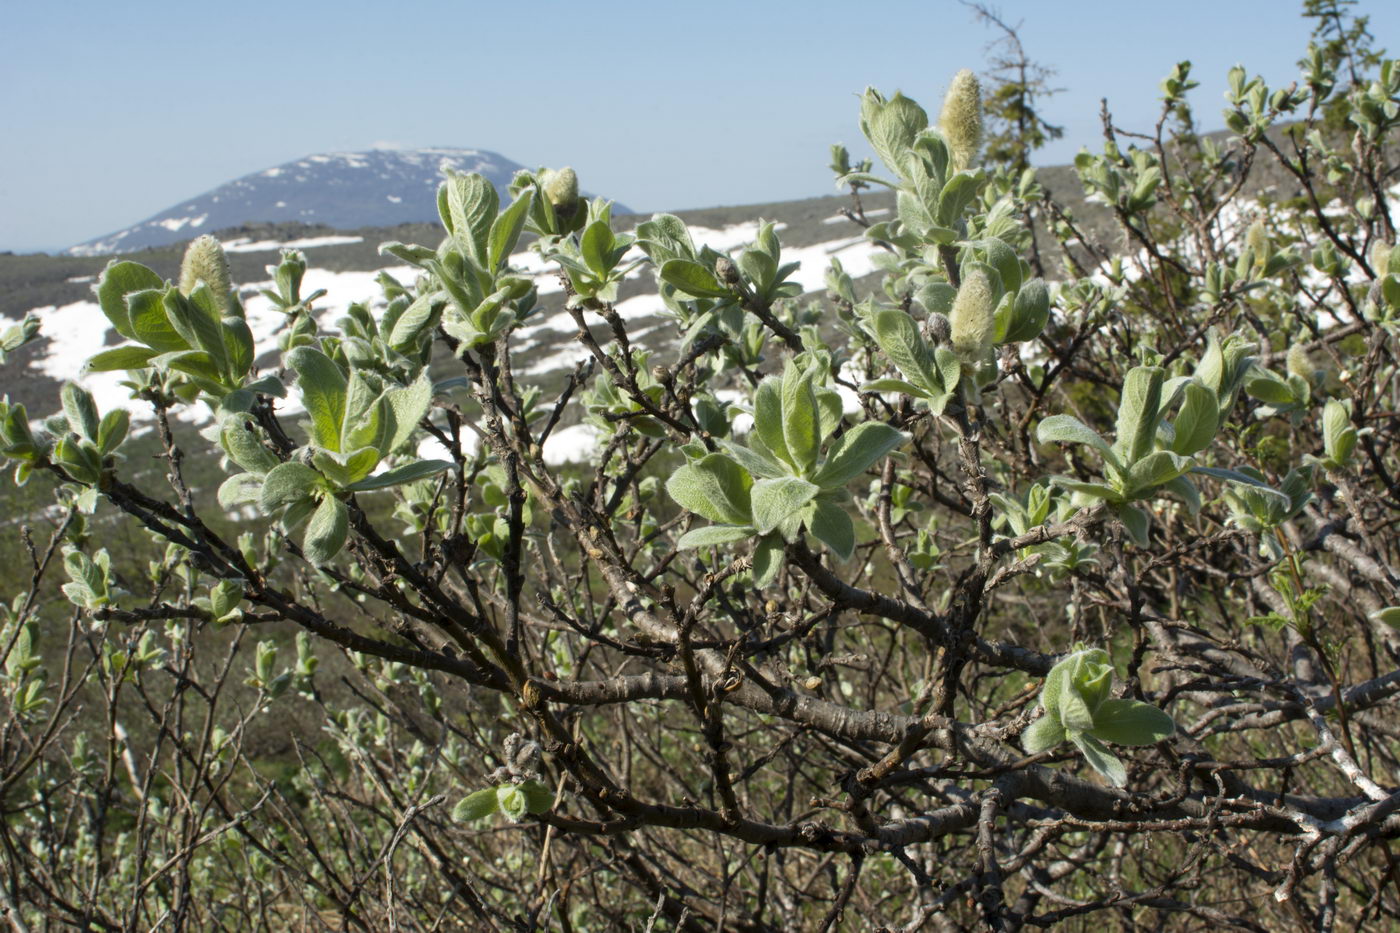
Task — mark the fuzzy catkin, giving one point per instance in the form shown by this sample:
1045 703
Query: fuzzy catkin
205 262
1380 258
560 187
1299 363
961 119
972 322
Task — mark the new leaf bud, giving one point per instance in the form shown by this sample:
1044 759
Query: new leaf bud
205 262
961 119
1257 238
972 323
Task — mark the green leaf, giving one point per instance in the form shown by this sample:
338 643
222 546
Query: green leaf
596 248
1269 388
472 204
1138 411
1067 429
665 237
776 499
347 468
1030 311
1101 759
1186 491
240 489
857 451
119 358
714 487
800 418
118 280
323 391
150 323
196 319
1156 469
1250 482
297 513
759 465
327 530
1003 258
894 385
78 459
892 129
1042 735
713 535
538 798
898 335
1197 421
759 267
238 345
768 418
113 429
1096 490
830 411
505 231
1131 722
1390 615
409 405
80 410
244 448
287 483
476 806
956 195
767 559
1136 521
408 473
1074 711
692 278
831 526
415 319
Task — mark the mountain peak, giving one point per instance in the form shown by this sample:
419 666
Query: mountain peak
379 187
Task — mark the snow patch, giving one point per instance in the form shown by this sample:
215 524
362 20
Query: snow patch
245 245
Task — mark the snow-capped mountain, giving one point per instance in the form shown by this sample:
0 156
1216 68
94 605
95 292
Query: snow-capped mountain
344 190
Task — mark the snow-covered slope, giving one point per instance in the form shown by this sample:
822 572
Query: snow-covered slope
344 190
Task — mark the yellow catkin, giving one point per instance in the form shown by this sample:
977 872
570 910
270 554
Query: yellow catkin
961 119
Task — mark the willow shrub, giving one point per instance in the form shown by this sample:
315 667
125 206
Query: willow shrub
1052 574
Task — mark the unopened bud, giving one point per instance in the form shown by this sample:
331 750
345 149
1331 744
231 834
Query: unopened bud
812 683
205 262
560 188
961 119
726 270
939 330
972 325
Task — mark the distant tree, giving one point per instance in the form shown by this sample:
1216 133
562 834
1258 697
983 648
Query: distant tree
1015 90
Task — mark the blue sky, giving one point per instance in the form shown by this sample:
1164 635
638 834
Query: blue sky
113 112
